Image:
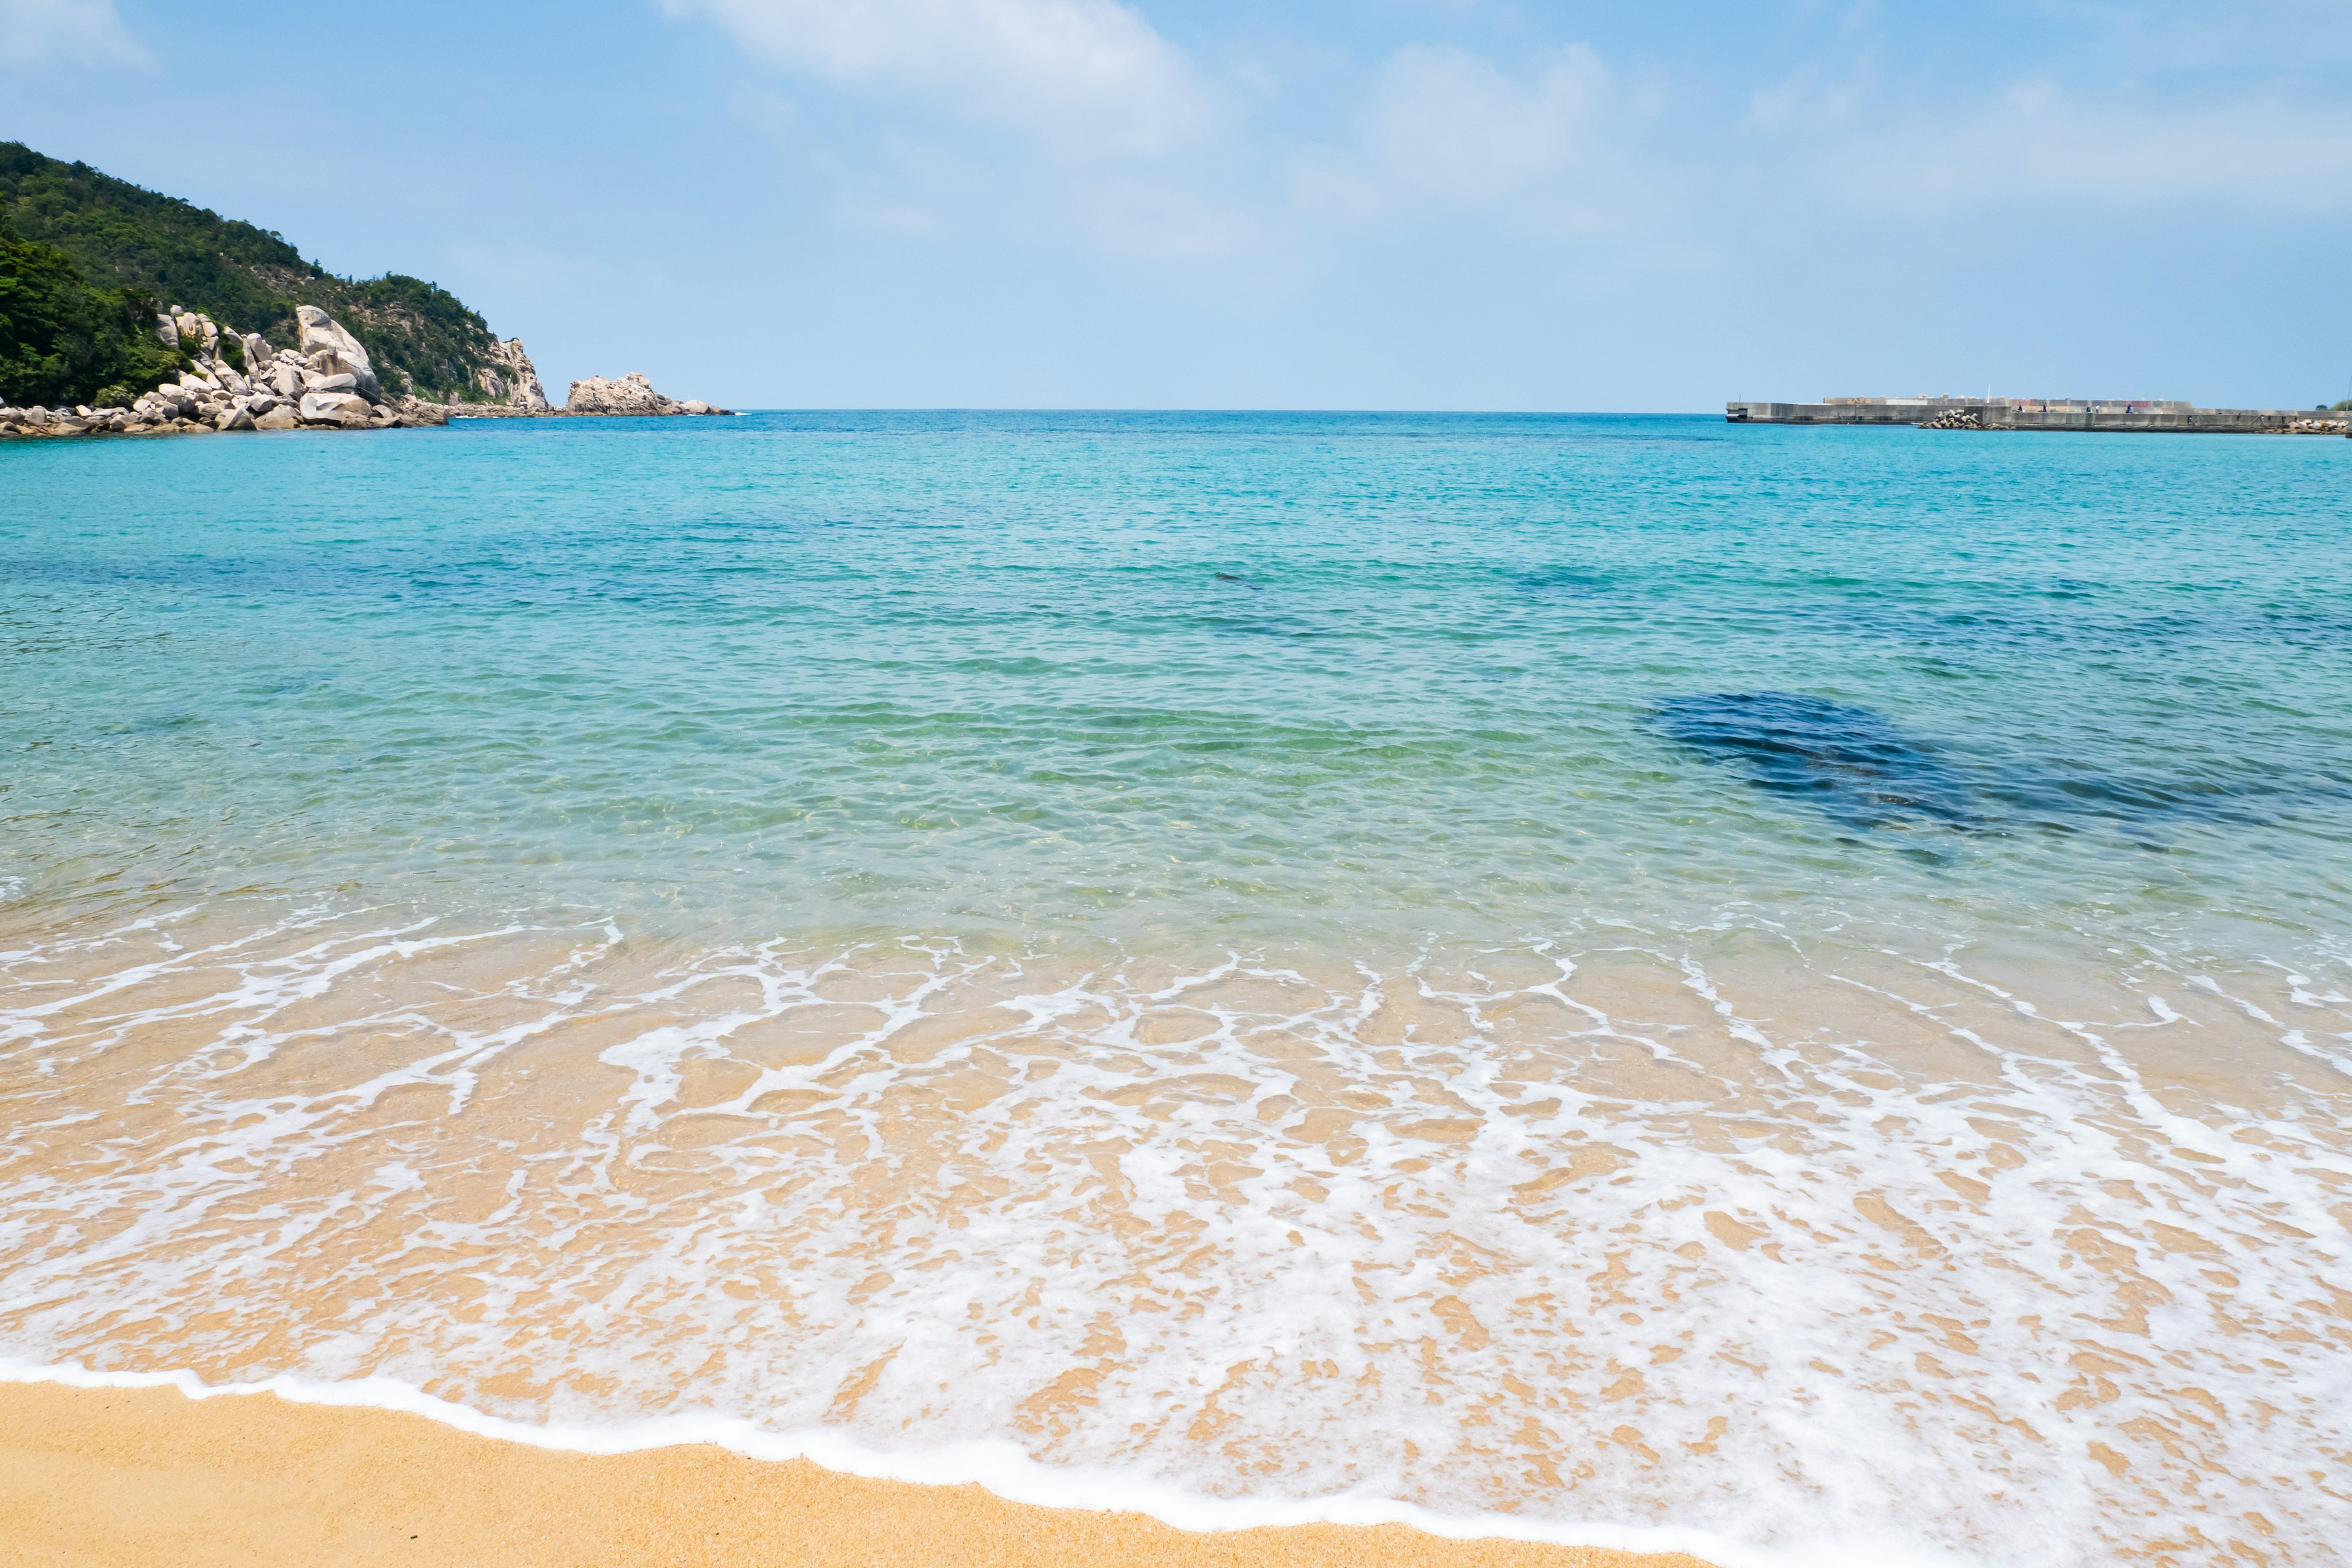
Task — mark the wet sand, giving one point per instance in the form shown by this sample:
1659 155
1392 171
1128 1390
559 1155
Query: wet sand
92 1476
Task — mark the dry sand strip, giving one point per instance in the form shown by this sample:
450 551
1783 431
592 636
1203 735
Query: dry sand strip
109 1475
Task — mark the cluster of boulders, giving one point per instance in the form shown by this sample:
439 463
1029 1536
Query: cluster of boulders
326 384
1954 419
240 383
631 395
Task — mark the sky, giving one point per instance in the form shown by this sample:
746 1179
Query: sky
1284 203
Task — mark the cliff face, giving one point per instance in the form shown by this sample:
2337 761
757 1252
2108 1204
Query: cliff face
510 378
421 339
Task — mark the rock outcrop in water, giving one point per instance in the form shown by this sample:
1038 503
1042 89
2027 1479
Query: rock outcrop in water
632 395
240 383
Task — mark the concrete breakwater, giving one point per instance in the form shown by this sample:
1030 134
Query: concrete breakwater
2043 414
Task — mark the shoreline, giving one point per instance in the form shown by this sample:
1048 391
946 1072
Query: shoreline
101 1469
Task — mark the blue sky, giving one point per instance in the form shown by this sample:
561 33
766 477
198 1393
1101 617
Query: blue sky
1397 203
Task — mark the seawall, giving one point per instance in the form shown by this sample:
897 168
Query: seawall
2043 414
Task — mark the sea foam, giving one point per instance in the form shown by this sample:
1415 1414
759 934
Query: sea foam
1717 1241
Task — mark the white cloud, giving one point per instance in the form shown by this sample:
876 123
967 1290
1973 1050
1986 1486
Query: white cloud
1164 223
1561 153
87 32
1450 127
2035 141
1090 75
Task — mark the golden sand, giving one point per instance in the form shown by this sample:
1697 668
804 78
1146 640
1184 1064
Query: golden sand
92 1476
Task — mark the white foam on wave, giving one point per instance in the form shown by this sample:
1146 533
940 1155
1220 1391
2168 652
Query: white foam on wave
1784 1249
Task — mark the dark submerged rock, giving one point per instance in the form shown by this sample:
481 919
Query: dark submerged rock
1852 764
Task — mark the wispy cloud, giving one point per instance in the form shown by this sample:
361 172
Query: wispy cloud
1451 128
1090 76
1444 135
83 32
2037 142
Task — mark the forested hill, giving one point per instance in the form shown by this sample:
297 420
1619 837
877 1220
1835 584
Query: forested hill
116 236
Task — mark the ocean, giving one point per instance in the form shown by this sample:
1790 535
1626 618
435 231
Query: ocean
1780 993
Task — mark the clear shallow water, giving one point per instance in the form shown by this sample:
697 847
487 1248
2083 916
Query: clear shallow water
1782 982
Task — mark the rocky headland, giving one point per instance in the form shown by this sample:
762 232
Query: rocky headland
238 382
87 347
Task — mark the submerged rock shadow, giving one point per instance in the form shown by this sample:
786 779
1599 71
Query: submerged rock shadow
1850 764
1859 769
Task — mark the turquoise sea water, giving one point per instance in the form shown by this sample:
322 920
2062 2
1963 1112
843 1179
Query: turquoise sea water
1410 773
1118 674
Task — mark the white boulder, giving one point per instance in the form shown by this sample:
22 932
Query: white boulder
347 409
335 351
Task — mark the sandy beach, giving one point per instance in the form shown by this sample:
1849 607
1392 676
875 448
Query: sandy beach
117 1476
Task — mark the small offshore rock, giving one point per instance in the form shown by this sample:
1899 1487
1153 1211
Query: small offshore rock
631 395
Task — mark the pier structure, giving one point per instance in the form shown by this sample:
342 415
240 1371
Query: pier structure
2045 414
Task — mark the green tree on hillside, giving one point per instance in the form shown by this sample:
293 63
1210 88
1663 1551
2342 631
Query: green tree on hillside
64 341
248 278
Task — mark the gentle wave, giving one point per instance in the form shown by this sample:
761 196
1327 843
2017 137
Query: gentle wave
1801 1245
